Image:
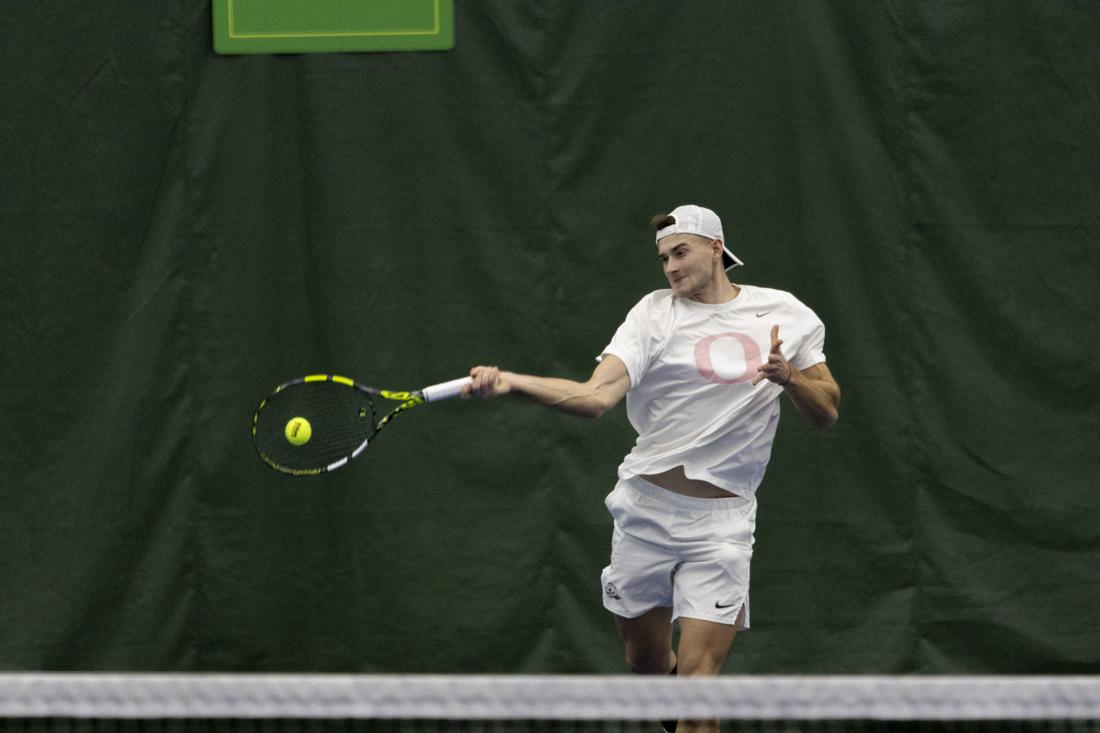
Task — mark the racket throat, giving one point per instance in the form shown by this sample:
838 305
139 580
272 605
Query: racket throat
404 397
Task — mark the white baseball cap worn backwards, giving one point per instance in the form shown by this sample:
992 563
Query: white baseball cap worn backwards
692 219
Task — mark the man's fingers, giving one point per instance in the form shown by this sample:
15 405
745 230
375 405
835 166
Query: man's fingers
776 341
776 369
484 382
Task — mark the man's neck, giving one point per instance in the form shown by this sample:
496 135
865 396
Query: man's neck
720 290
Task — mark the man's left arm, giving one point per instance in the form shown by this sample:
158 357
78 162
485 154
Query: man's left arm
812 390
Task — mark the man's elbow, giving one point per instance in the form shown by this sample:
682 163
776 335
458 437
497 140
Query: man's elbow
594 411
588 408
827 417
600 400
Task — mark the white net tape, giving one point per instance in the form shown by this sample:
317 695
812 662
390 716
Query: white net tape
517 697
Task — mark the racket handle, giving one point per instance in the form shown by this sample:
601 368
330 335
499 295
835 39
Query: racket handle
445 390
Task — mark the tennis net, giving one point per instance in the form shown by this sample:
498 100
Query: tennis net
102 702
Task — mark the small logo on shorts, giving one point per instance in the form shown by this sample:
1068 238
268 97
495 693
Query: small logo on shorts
724 605
612 592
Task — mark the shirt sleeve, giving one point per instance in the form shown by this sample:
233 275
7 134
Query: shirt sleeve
812 349
632 342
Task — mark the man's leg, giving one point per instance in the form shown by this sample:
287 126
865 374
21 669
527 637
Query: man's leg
703 648
647 641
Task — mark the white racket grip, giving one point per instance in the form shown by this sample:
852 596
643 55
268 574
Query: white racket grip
444 390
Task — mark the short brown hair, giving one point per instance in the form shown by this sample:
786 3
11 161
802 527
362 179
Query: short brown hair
660 221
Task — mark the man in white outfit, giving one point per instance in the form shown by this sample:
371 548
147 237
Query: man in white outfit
702 367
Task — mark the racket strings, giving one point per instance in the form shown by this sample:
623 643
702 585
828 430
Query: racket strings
341 419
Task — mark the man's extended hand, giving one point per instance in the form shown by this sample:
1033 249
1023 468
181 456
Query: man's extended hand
776 369
488 382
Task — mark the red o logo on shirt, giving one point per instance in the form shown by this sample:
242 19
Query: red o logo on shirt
705 364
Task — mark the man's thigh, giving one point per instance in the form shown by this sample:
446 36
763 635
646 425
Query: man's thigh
647 640
704 646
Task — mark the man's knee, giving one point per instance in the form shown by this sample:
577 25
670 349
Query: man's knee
648 658
700 662
704 646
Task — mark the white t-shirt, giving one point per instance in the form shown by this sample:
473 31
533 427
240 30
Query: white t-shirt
691 367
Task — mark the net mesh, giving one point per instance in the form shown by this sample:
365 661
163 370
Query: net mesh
104 702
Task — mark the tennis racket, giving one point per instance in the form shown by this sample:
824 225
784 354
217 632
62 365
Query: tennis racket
321 422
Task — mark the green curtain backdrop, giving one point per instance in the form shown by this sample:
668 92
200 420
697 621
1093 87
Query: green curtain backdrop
181 231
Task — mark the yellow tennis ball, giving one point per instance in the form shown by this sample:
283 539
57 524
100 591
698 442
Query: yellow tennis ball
298 431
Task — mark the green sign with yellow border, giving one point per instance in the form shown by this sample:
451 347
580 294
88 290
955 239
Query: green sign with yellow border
328 26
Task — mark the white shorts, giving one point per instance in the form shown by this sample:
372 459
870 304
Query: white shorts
689 554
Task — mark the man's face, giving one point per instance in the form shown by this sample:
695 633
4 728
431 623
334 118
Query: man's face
689 262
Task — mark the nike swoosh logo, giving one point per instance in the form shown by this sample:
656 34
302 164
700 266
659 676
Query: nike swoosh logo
761 315
728 605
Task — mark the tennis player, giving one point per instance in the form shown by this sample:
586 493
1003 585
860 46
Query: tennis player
702 365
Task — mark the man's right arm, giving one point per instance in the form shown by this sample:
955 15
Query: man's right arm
603 390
